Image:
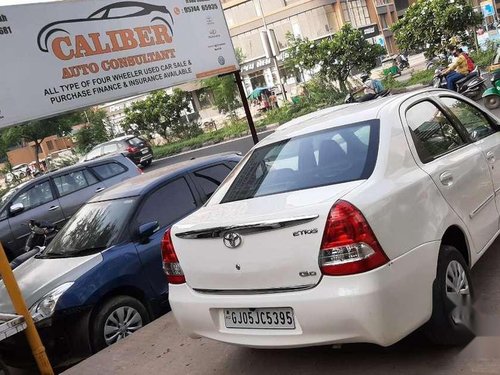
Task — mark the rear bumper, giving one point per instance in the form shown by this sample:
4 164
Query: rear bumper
381 307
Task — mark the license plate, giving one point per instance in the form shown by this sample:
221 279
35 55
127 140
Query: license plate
144 151
273 318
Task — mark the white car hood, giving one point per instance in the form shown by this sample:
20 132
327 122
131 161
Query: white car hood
37 277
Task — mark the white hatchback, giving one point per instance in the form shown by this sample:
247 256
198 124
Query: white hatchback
357 223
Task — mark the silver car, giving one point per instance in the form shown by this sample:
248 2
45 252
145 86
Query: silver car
56 196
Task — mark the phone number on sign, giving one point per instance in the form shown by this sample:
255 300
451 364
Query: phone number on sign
197 8
5 30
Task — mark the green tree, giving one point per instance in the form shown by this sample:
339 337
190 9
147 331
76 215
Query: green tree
94 132
336 57
433 24
36 131
225 91
160 113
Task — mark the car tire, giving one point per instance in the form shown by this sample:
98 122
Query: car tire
492 102
452 314
119 316
148 163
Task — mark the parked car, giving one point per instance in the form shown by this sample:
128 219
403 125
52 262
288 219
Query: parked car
19 172
357 223
101 277
135 148
56 196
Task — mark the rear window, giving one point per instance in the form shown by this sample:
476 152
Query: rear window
109 170
342 154
135 141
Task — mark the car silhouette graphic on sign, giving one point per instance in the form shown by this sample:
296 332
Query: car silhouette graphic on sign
115 11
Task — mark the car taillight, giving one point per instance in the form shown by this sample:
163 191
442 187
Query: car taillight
349 245
171 265
132 149
140 170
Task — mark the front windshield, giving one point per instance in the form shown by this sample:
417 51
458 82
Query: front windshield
94 228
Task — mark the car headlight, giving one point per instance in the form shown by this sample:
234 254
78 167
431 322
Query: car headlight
45 307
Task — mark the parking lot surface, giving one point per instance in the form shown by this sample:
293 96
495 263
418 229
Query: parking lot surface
161 348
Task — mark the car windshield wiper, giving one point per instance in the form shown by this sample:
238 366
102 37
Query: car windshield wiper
71 253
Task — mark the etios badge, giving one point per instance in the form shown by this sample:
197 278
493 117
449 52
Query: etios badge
232 240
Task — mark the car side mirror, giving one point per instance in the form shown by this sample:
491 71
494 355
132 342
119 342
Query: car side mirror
16 208
147 230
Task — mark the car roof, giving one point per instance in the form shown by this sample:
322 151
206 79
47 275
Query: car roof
142 184
338 116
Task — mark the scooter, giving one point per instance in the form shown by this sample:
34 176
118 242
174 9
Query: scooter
491 96
470 86
403 62
41 234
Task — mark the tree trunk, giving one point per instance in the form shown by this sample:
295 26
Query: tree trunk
37 151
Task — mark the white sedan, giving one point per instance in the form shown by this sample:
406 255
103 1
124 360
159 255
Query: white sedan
357 223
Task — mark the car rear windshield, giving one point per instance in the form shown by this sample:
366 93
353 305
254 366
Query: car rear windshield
95 227
332 156
135 141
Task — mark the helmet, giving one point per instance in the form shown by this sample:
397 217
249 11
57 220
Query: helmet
364 77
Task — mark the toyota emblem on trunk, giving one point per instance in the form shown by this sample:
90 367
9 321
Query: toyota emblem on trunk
232 240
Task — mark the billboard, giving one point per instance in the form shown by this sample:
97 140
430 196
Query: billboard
59 56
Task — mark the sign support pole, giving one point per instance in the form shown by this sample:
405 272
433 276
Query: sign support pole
16 297
244 100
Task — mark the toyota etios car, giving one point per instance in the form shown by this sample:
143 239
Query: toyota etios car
354 224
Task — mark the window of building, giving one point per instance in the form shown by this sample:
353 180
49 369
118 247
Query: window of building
241 13
356 12
270 6
50 145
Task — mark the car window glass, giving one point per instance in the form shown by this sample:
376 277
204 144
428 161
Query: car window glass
432 132
108 149
471 118
96 152
167 204
135 142
91 179
209 179
108 170
36 196
71 182
322 158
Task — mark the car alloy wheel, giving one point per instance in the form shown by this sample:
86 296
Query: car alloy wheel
452 317
492 102
121 323
458 292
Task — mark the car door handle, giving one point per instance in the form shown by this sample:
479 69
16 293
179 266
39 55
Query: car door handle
98 190
446 178
490 156
53 208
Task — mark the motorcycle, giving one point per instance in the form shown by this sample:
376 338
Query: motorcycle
351 99
491 96
471 86
40 236
403 62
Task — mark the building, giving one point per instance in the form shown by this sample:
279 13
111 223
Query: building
48 146
311 19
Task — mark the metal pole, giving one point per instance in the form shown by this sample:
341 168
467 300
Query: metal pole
273 58
244 100
16 297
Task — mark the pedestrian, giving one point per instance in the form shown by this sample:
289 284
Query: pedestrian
273 100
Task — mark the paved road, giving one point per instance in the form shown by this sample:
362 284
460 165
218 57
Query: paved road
161 349
242 145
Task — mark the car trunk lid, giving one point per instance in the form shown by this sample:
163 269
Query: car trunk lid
261 244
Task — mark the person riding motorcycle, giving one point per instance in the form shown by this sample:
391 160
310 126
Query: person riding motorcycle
370 86
457 70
